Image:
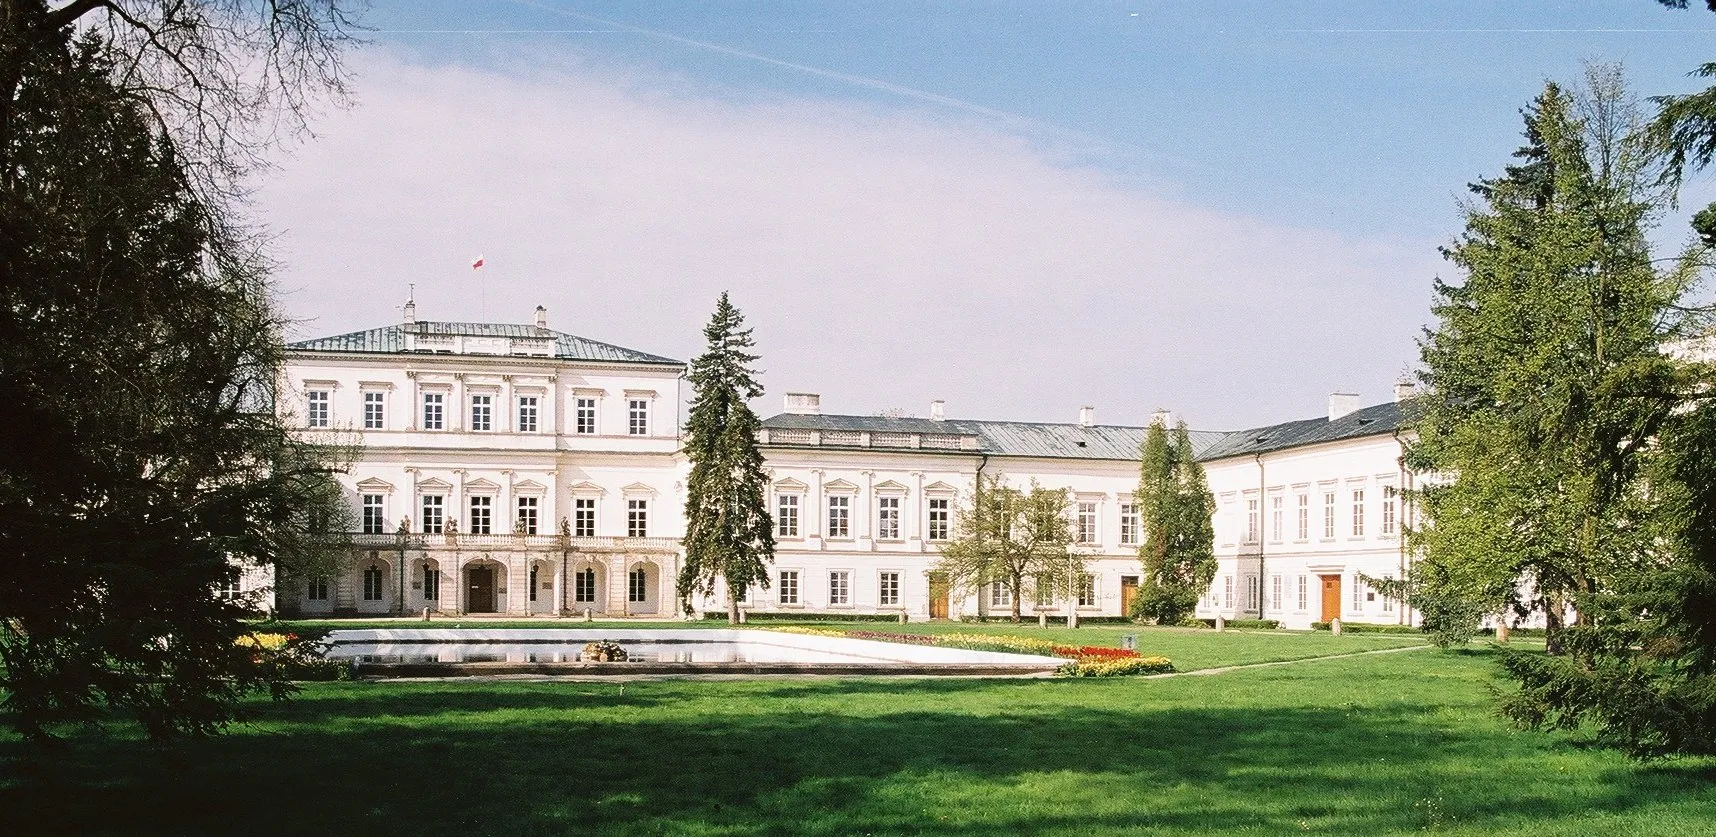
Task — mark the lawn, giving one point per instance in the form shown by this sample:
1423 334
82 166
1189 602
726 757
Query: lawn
1378 744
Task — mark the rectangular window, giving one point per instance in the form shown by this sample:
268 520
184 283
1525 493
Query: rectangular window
789 587
318 591
1251 591
1277 518
637 410
1304 592
1358 512
372 583
637 518
431 583
1227 591
434 410
584 586
1328 514
320 412
527 412
533 583
1087 523
888 589
888 518
1387 603
786 516
374 514
1086 590
637 589
1045 590
584 517
482 412
839 587
1358 593
1389 493
525 522
482 515
1131 525
434 511
1304 517
1000 595
374 410
1275 593
1251 520
584 416
840 516
940 518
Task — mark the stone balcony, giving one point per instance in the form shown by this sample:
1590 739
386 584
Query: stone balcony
532 543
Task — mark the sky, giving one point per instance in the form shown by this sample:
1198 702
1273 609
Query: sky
1228 210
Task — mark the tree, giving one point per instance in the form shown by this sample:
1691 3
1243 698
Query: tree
1019 540
729 534
139 353
1175 508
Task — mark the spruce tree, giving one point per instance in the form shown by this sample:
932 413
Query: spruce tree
729 534
1174 506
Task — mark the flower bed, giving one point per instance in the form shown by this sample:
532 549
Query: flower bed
1083 660
292 656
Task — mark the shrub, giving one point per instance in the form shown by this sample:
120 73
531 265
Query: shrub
796 616
1363 628
1096 667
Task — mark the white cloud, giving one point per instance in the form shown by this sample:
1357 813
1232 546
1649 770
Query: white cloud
885 257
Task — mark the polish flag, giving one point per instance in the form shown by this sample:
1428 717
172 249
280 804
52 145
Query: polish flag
477 263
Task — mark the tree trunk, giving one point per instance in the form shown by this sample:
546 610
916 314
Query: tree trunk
732 609
1018 598
1552 625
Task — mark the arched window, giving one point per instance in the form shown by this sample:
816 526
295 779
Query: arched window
637 585
584 586
533 583
431 582
372 584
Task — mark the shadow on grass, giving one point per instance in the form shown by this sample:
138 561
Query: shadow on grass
912 756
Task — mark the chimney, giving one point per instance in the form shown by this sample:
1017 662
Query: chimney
1160 417
1086 416
804 403
1342 403
938 410
1403 389
541 317
410 310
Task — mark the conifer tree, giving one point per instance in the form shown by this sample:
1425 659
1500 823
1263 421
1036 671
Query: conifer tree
1174 507
729 534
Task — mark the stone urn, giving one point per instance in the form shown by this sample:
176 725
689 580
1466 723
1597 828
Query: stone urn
603 652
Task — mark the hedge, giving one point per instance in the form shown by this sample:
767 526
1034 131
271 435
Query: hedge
1245 624
1363 628
808 616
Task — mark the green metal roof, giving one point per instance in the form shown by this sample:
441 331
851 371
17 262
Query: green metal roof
391 340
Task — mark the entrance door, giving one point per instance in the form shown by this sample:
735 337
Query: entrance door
482 590
938 595
1331 597
1128 592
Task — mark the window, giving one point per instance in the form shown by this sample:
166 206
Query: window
1251 520
1131 525
786 515
940 518
229 587
789 587
840 517
1275 593
482 515
1000 595
431 583
374 514
584 586
319 412
1387 603
888 589
637 411
434 511
1087 523
637 518
584 416
1227 591
374 410
636 585
372 583
1086 590
525 523
584 517
888 518
1388 520
482 412
527 409
1252 583
1328 514
1360 591
1358 512
533 583
434 410
318 591
1304 517
839 588
1304 591
1045 590
1277 517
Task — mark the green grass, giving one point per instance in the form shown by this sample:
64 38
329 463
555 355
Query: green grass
1380 744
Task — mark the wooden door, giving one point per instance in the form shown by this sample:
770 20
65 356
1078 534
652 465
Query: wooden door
938 595
1128 592
1331 597
482 590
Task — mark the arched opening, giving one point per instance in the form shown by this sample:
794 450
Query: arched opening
641 582
544 587
481 583
589 588
373 581
426 582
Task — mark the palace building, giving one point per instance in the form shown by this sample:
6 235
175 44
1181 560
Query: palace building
515 469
